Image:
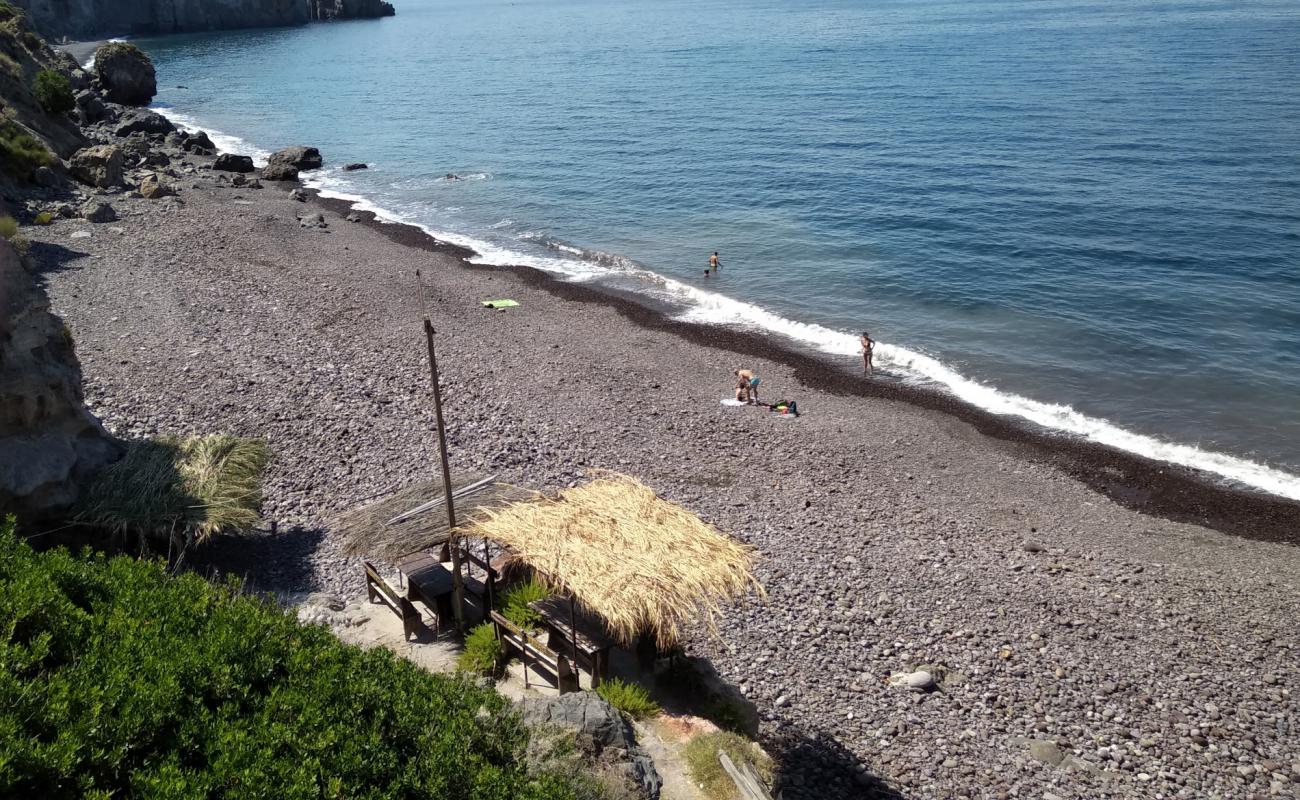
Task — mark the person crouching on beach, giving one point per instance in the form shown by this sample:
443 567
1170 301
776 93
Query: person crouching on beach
867 347
746 386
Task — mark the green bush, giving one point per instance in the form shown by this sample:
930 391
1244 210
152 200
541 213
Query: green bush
120 681
514 605
52 90
629 698
44 218
701 757
8 227
20 152
482 653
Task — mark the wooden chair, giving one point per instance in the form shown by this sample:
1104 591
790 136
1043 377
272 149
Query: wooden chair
533 652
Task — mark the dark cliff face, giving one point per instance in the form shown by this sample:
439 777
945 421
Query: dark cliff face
93 19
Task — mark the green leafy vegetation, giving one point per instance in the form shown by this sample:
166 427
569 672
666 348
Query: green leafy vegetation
52 90
20 152
514 605
701 757
482 653
188 488
44 218
9 230
9 11
120 681
629 698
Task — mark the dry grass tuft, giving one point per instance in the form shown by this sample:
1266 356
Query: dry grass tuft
640 563
192 488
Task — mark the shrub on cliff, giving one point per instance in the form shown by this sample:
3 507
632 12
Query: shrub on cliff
52 90
121 681
20 152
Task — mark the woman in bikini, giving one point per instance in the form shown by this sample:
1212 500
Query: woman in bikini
867 346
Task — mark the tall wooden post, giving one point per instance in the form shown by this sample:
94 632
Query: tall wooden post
457 582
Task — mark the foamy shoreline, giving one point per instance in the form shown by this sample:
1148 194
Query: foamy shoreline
703 306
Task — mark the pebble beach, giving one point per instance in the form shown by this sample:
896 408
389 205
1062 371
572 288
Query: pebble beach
1097 626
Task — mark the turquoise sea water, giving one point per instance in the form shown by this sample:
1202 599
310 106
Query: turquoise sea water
1083 213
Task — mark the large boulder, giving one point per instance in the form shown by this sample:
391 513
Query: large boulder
125 73
153 187
229 162
199 143
50 444
602 737
90 106
301 158
142 120
99 166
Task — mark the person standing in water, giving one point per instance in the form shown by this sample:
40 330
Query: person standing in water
867 347
714 263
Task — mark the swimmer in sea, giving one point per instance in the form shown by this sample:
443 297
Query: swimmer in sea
714 263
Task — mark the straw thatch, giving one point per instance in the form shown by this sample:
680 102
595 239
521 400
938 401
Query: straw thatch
189 488
366 531
640 563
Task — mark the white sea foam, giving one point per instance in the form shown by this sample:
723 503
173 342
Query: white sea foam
705 306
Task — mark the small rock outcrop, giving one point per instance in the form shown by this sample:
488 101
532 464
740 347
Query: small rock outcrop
603 738
125 73
49 443
99 166
98 211
229 162
355 167
349 9
300 158
280 172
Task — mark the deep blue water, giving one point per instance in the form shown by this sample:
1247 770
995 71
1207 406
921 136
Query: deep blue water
1074 211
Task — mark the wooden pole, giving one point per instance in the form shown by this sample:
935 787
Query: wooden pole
573 637
457 583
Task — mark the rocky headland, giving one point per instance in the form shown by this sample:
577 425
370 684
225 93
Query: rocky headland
94 19
1071 646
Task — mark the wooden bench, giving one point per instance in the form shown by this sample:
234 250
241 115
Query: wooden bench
378 590
532 651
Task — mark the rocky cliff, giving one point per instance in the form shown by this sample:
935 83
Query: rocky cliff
49 442
94 19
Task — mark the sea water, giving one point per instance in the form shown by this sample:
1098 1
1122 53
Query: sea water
1084 214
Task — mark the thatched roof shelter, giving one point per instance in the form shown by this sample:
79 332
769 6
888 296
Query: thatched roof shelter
386 529
638 562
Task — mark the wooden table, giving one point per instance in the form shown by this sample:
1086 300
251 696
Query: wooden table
593 643
428 581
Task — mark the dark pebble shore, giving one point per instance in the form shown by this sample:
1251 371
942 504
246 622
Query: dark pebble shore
1085 649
